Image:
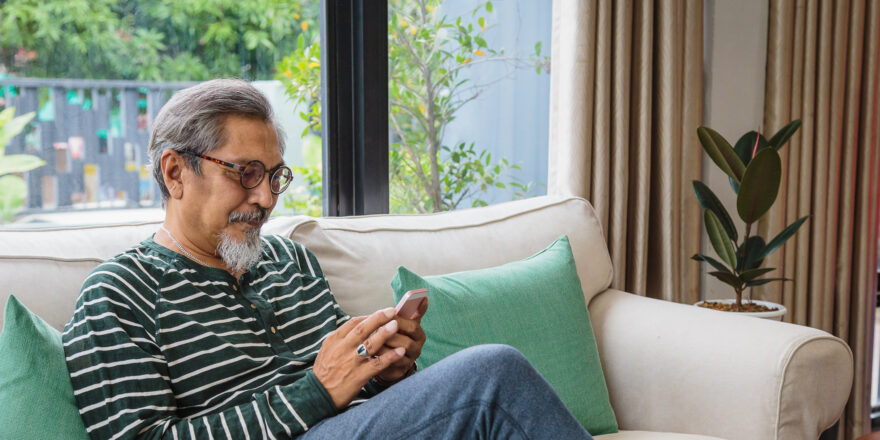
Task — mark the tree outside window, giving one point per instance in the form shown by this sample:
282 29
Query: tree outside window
429 56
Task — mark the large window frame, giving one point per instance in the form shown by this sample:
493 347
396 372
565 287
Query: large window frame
354 76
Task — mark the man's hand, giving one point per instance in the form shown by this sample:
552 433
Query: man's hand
341 370
411 338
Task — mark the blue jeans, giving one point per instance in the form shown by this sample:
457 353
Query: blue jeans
484 392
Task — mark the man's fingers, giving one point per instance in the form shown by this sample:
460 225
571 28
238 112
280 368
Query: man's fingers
411 328
364 328
405 342
423 307
384 360
346 328
376 340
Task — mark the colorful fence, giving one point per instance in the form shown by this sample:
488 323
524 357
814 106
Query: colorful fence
93 135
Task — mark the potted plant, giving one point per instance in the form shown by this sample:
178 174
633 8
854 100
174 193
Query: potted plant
754 170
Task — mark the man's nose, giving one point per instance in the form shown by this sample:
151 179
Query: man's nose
262 194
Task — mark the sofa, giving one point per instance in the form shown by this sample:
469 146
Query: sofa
672 371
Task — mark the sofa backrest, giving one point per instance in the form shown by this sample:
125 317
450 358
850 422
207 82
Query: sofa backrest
360 255
45 268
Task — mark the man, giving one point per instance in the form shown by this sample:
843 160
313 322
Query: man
208 330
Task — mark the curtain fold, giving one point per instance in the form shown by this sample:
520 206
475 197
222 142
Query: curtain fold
822 67
625 98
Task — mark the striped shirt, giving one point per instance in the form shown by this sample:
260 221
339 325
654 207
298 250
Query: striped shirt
162 347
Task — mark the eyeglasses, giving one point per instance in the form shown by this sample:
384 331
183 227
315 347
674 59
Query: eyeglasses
252 173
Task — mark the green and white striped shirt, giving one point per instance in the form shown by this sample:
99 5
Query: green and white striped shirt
162 347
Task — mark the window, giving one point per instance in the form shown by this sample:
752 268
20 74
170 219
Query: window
98 72
469 99
95 74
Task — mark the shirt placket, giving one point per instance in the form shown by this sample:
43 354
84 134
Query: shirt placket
264 314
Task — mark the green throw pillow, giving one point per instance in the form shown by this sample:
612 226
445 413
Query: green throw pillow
535 305
36 398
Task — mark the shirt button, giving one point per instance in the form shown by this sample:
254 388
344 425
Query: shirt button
235 288
272 329
253 307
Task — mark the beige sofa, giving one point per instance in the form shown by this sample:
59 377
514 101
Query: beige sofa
673 371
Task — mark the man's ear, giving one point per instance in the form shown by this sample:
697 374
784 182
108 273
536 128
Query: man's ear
172 172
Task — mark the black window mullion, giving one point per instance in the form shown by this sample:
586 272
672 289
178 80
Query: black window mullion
354 59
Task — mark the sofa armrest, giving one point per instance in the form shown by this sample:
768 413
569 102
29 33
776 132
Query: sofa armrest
677 368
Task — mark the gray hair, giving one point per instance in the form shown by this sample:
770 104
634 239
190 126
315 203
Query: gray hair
193 119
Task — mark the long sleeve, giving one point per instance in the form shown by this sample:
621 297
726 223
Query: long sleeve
125 386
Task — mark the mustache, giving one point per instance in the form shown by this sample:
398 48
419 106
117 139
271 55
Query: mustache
258 215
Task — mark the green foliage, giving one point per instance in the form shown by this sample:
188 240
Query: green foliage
156 40
720 151
760 185
300 73
12 192
428 54
12 187
306 199
755 171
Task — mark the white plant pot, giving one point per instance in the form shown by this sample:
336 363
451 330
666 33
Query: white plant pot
775 315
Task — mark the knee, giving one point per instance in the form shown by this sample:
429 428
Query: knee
494 357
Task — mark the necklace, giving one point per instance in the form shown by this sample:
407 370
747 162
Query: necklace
185 252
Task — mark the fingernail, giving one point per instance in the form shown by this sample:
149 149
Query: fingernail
400 351
391 326
389 312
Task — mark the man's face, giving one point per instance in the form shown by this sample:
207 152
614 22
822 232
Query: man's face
217 197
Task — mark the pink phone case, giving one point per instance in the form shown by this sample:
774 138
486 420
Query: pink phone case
408 307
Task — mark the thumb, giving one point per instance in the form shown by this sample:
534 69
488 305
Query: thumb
423 307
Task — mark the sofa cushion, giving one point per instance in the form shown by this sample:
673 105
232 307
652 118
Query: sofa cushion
360 255
36 398
45 268
535 305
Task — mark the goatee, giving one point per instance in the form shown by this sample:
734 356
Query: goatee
241 255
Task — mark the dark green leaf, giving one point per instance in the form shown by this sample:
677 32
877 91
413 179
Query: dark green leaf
750 253
745 146
720 151
707 200
784 134
728 278
720 241
751 274
715 263
783 236
763 281
760 185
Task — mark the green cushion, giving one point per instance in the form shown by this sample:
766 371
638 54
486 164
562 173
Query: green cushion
36 398
535 305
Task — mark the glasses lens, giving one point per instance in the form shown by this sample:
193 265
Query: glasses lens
281 178
252 174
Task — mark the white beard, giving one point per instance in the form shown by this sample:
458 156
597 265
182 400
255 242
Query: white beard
240 256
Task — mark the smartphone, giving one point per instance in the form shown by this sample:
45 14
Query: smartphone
409 305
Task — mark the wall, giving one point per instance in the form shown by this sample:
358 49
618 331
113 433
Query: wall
735 57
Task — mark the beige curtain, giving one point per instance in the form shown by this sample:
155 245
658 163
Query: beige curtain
822 67
625 101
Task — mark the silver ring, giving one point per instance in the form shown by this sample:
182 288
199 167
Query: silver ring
362 351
